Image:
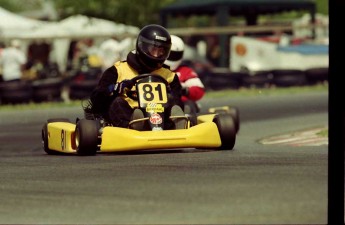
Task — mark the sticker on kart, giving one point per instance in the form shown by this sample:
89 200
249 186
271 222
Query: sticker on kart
154 108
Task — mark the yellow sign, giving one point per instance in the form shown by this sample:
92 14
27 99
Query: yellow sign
154 92
153 107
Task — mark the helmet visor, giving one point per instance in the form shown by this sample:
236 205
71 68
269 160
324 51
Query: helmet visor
175 55
154 49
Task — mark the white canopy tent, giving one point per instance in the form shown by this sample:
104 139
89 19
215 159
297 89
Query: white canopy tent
12 24
83 26
60 34
79 27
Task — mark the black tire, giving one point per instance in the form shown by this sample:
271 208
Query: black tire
316 75
288 78
260 79
86 135
44 134
79 90
223 80
235 113
15 92
227 130
47 89
237 78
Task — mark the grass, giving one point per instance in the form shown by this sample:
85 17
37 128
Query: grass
43 105
242 92
268 91
323 133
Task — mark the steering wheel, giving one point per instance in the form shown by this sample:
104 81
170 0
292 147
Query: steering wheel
154 76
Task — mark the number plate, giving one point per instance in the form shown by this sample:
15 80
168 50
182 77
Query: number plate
152 92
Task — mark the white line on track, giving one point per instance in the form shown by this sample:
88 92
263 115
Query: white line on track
308 137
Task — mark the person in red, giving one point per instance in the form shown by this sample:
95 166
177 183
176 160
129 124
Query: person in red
192 87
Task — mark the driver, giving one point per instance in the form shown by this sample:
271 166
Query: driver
152 49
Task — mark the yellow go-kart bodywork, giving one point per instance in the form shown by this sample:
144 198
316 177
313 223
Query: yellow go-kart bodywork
61 136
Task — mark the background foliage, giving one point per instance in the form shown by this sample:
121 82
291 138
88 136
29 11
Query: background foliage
136 12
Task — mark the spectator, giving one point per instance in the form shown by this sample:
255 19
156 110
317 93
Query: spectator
110 52
13 61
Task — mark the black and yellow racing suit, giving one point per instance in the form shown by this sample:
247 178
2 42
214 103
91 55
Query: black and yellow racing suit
119 110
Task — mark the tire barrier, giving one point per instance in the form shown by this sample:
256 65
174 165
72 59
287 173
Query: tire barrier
316 75
265 79
288 78
50 89
260 79
222 80
15 92
47 89
79 90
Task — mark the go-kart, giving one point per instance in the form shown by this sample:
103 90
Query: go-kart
91 136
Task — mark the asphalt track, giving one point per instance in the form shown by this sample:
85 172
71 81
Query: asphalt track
252 184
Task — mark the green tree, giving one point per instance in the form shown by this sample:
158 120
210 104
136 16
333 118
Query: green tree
137 12
322 6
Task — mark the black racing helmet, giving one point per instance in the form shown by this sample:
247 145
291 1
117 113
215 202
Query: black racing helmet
153 46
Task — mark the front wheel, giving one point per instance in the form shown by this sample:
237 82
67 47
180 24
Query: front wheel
234 112
86 137
227 130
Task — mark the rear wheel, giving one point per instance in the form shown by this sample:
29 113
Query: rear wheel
44 134
86 135
45 140
227 130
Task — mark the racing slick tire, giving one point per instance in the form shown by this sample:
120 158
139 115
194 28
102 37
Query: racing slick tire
234 112
45 140
227 130
44 134
86 137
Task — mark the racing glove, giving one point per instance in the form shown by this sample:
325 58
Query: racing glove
119 88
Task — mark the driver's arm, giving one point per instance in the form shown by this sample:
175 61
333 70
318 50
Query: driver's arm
101 97
176 90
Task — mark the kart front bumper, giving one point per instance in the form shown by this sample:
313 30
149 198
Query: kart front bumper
204 135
